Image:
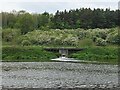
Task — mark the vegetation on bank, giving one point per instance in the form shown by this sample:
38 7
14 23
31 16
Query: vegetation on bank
100 44
36 54
66 37
24 35
26 54
100 54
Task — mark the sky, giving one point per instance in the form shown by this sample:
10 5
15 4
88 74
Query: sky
51 6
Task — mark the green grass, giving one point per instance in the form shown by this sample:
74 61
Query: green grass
100 54
37 54
26 54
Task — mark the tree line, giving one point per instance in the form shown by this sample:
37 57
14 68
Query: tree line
85 18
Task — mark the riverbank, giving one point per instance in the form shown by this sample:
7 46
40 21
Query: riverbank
58 75
37 54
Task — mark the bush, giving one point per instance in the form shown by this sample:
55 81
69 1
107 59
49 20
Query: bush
101 42
113 38
8 35
49 37
67 37
26 43
86 42
45 28
70 40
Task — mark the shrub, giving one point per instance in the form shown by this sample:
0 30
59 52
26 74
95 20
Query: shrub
26 43
71 37
86 42
101 42
45 28
113 38
70 40
82 34
8 35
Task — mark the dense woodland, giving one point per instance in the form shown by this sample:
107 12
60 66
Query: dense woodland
78 18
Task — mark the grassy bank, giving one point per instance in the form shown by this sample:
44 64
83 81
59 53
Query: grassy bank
36 53
100 54
25 54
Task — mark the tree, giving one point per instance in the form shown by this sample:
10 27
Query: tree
43 20
26 23
11 20
85 18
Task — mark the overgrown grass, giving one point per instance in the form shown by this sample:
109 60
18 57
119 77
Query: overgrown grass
100 54
26 54
37 54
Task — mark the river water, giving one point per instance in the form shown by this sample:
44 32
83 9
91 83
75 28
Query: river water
58 75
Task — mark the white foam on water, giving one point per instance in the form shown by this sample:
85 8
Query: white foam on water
65 59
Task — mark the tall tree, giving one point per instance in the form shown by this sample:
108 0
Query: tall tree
26 23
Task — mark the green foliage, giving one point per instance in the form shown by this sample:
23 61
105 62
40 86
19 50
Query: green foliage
25 54
101 42
66 37
113 37
85 18
34 53
8 35
26 23
54 37
106 54
43 20
69 37
86 42
45 28
26 43
78 18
